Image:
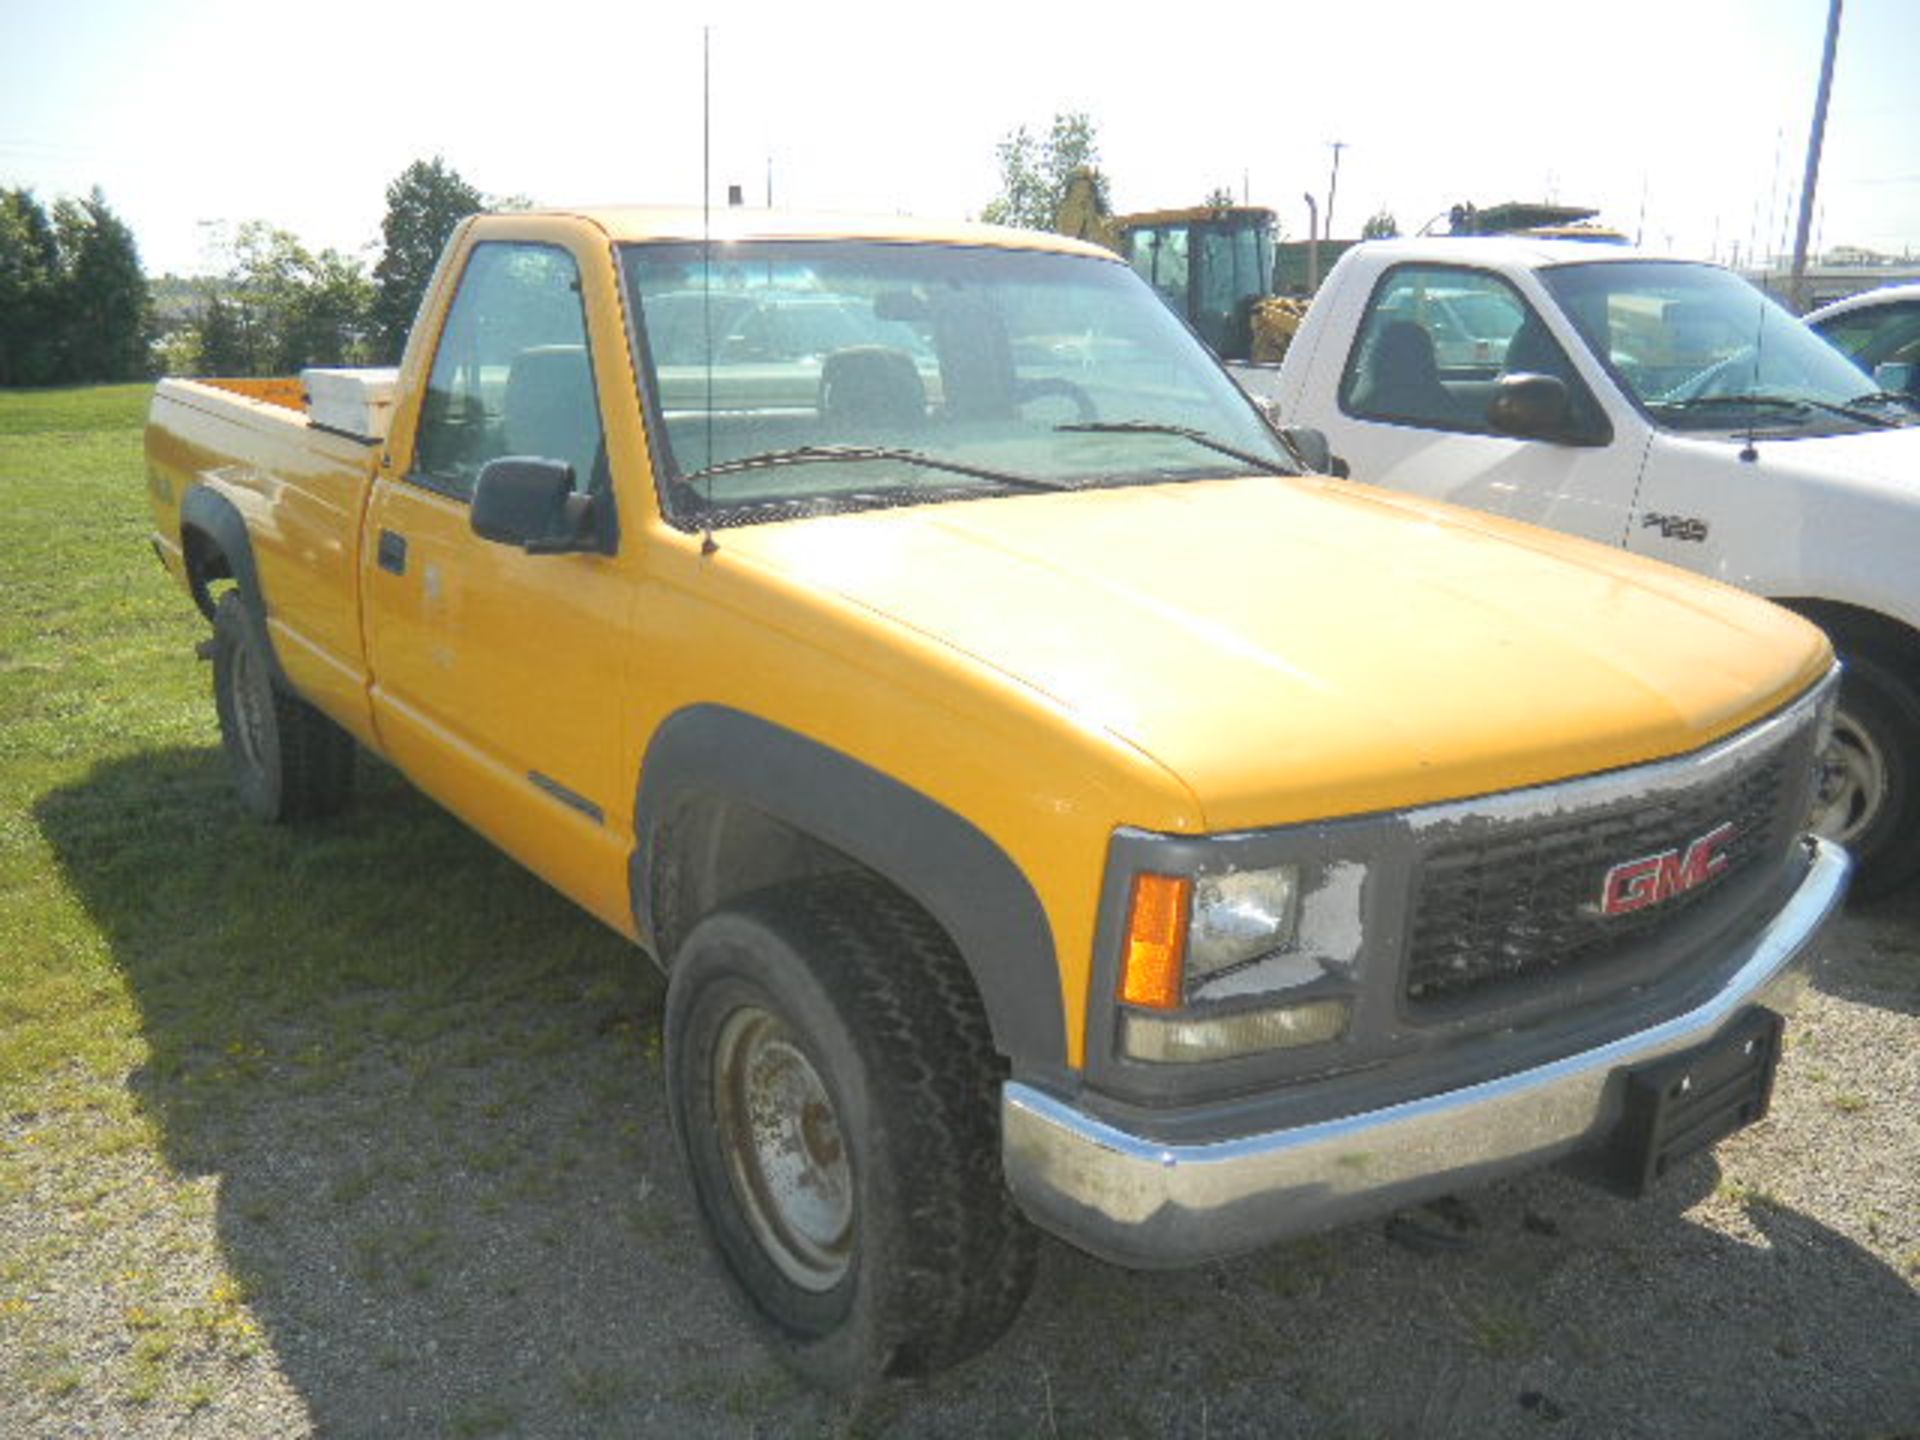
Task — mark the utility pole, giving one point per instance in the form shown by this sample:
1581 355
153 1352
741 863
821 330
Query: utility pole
1333 184
1313 244
1797 287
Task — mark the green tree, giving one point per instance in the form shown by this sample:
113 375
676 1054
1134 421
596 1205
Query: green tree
222 341
106 310
328 319
281 308
1380 226
29 292
423 205
74 304
1034 172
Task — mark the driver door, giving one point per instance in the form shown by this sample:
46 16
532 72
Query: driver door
1408 409
499 674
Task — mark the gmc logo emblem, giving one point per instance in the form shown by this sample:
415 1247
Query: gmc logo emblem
1639 883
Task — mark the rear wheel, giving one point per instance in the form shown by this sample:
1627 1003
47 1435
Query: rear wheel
836 1095
289 762
1864 789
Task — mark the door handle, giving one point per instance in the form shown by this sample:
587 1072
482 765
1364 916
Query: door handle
392 552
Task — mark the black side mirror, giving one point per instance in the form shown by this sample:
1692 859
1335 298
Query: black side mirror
1532 407
1309 447
531 503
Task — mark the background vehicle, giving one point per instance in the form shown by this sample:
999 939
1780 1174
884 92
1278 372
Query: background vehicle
1212 264
1667 407
1046 804
1874 329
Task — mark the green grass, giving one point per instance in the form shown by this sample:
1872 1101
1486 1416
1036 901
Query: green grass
170 970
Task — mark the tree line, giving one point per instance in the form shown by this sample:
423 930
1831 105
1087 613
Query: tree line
76 306
73 300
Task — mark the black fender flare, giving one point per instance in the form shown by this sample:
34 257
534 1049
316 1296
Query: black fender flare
946 864
212 514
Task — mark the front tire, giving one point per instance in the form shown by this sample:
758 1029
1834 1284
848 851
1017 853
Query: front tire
835 1094
1864 797
288 761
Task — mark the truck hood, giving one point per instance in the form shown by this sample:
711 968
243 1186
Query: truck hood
1298 649
1885 461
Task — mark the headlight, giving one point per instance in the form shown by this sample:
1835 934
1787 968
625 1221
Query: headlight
1239 917
1208 961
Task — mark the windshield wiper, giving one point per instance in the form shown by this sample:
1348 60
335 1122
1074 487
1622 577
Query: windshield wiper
825 454
1198 437
1798 404
1906 401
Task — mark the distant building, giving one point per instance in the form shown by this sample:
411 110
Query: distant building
1837 276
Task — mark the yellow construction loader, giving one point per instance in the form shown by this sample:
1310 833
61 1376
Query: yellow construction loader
1212 264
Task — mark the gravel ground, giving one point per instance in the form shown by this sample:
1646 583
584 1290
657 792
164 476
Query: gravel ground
477 1227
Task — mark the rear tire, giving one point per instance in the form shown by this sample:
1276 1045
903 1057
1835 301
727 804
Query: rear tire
1864 795
289 762
835 1094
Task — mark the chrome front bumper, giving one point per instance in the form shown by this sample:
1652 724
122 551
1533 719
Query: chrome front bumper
1141 1202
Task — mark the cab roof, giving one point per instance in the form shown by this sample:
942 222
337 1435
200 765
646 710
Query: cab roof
1530 252
737 223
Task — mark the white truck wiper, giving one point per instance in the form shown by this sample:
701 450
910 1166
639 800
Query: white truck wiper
825 454
1800 404
1185 432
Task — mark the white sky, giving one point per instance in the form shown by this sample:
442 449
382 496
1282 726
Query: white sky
191 111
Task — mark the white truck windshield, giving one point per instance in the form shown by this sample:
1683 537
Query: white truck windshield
1698 348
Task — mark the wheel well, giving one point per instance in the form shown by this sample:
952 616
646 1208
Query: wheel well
1852 628
712 849
726 802
206 563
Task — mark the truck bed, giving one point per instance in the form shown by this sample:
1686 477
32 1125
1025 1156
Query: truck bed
302 492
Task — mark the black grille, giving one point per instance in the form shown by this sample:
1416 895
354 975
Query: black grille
1517 900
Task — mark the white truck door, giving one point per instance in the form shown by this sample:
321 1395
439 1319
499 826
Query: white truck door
1404 402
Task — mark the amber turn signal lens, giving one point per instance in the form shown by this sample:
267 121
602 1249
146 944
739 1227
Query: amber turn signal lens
1156 940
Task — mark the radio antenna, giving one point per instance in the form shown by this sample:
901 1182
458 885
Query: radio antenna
707 545
1751 452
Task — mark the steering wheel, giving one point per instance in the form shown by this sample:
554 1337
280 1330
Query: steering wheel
1083 407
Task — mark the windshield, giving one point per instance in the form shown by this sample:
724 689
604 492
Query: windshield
807 377
1701 349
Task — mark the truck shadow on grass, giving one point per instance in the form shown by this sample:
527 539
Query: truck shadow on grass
428 1089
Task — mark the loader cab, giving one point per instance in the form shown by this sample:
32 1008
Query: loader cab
1211 265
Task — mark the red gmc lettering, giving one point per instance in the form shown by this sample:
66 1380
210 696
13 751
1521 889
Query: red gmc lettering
1640 883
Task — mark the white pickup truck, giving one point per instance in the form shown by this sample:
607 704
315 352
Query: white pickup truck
1661 405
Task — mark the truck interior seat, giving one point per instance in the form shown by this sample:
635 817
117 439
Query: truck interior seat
1402 380
549 410
871 387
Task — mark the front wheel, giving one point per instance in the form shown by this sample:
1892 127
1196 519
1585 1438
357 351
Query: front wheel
835 1094
1864 788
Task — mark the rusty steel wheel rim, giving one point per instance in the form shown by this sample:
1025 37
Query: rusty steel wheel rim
784 1150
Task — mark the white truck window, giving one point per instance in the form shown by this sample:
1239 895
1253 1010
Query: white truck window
1434 342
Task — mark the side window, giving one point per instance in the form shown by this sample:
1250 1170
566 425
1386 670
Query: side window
1435 341
511 376
1160 258
1875 337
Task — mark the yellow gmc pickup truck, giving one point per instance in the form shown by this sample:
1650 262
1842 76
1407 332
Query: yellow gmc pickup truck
1051 804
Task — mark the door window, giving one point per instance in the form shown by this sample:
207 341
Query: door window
1436 340
511 376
